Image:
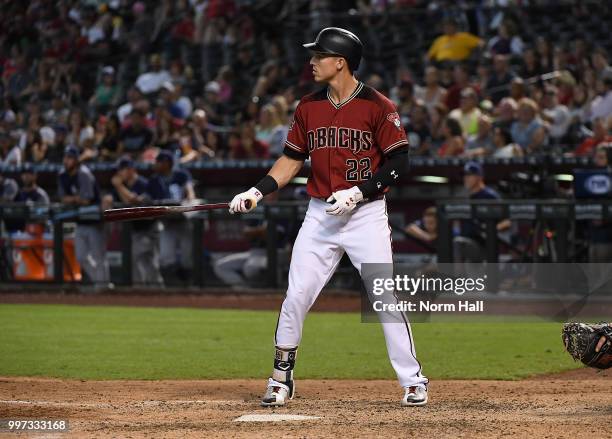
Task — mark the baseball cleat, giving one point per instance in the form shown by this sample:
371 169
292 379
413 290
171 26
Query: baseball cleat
415 396
277 393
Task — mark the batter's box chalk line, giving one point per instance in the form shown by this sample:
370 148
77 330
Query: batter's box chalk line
274 417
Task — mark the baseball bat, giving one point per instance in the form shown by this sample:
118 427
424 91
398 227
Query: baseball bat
151 212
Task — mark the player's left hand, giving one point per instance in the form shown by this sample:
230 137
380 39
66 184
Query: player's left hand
344 201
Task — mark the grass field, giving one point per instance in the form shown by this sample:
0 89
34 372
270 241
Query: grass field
165 343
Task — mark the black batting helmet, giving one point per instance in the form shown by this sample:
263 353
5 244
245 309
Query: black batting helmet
338 41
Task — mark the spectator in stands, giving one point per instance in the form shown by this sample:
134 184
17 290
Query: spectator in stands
461 80
77 187
30 191
431 93
151 81
599 60
8 188
437 123
530 64
10 153
186 146
544 54
426 228
555 114
268 82
134 96
37 144
601 106
482 143
503 145
168 95
55 150
468 112
528 130
453 45
499 83
181 100
201 135
58 113
601 135
211 104
108 145
417 130
518 89
244 145
506 42
130 188
170 184
454 143
81 134
404 100
107 93
134 139
505 113
20 79
271 130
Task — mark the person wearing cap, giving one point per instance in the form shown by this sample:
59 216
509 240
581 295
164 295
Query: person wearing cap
453 45
468 112
170 184
169 97
107 93
30 191
77 187
130 188
469 246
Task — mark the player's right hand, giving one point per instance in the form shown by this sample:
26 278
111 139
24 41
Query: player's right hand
245 201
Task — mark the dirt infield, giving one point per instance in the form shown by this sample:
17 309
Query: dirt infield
577 404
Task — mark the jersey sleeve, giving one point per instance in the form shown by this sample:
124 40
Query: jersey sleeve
390 134
296 145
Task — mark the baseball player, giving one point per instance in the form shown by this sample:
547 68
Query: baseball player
357 147
77 187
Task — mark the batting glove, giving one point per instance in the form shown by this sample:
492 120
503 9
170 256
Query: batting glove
344 201
245 201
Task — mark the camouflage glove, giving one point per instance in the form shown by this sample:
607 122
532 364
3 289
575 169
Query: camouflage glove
591 344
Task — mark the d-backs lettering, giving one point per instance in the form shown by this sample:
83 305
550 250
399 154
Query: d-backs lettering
339 137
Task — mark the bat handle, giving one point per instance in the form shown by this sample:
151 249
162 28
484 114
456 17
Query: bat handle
250 203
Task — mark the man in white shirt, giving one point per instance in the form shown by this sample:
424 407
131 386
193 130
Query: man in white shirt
601 107
557 115
151 81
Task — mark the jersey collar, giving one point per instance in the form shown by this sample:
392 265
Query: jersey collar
347 100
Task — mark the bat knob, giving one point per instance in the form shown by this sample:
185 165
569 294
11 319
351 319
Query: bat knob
250 203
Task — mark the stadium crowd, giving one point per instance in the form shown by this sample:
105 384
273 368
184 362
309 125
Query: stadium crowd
176 82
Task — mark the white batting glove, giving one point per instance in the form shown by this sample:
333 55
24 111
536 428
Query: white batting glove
344 201
245 201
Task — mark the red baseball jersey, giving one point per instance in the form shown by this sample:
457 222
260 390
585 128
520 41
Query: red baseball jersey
346 142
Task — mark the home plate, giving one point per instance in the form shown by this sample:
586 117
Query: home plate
273 417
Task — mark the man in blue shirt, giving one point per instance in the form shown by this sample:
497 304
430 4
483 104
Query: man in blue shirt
175 185
30 191
77 187
469 246
131 188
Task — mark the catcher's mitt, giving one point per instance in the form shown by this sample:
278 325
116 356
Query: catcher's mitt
581 339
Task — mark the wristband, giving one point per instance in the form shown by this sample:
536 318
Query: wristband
267 185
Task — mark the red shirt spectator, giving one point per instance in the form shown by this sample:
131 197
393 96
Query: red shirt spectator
600 135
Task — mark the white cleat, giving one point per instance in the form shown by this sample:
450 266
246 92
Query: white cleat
415 396
277 393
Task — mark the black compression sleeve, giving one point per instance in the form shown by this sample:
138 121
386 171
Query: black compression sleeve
266 185
395 165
